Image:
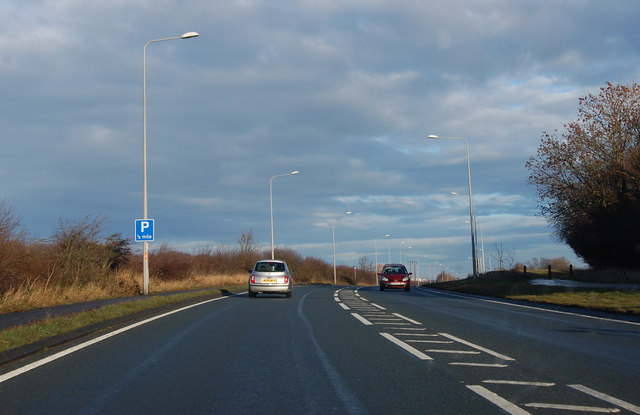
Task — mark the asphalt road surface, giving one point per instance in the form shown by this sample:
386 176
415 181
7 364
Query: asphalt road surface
338 350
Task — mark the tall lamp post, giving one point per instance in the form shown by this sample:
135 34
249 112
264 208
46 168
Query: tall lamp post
375 244
145 257
333 236
471 209
271 203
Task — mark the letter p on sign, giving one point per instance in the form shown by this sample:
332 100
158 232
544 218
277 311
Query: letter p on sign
144 230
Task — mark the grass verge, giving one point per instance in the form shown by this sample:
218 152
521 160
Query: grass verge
513 285
26 334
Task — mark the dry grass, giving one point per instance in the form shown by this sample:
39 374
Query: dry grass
610 301
20 335
122 284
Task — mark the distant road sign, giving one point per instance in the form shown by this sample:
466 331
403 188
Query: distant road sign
144 230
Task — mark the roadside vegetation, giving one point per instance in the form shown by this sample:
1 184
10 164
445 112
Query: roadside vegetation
17 336
516 285
588 178
78 263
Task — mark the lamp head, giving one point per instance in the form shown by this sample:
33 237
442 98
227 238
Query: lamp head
433 136
295 172
189 35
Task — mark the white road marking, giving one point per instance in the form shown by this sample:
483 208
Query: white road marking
408 319
607 398
478 364
517 382
578 408
498 400
431 341
384 318
378 306
362 319
66 352
633 323
343 305
475 346
452 351
417 353
414 329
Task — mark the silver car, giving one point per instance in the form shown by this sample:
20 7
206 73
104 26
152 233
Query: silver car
270 276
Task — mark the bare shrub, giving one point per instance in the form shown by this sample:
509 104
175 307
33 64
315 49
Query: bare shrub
167 264
12 248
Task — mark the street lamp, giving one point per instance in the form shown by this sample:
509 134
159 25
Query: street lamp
401 243
271 203
145 244
333 236
471 209
375 244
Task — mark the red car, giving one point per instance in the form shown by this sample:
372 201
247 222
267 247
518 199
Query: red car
395 276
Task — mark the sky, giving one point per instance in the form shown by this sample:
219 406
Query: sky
345 92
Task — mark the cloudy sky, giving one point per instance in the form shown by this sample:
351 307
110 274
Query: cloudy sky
346 92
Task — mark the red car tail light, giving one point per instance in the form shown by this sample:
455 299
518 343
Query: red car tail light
286 279
253 279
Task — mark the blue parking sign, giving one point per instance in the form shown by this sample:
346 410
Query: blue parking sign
144 230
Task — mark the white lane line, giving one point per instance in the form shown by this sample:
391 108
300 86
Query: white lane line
633 323
607 398
412 329
416 334
66 352
498 400
478 364
577 408
517 382
378 306
452 351
475 346
417 353
408 319
362 319
384 318
431 341
343 305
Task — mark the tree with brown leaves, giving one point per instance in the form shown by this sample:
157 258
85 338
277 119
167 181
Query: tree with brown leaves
588 178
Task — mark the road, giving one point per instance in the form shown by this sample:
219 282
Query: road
343 351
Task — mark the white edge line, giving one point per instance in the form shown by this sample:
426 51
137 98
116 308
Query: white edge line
362 319
633 323
478 364
407 318
607 398
561 407
519 383
475 346
56 356
498 400
417 353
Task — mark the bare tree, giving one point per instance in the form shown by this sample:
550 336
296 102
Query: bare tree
503 255
365 264
248 242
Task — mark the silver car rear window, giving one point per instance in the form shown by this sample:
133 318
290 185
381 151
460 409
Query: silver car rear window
270 267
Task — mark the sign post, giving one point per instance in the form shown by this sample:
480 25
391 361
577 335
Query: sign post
144 232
